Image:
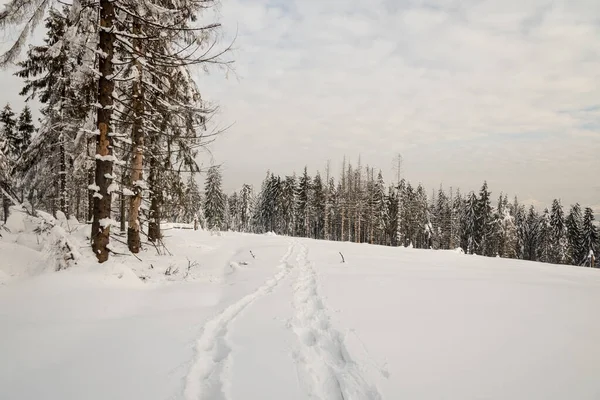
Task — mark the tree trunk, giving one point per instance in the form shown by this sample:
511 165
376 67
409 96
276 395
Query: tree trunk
342 230
62 181
155 200
104 160
137 138
5 207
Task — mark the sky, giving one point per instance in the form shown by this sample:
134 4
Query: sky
506 91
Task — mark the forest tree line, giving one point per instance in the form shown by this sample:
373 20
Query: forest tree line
361 207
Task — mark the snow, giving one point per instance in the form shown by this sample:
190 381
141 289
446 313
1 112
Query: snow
104 222
293 323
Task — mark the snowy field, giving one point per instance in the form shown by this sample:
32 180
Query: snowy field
293 323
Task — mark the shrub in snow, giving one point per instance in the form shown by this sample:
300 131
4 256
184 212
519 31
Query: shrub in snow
60 249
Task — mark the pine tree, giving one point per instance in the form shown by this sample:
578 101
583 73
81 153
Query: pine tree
544 248
246 207
193 199
589 234
214 200
52 72
25 129
318 207
9 150
303 211
531 235
471 224
484 219
510 231
391 220
573 223
11 145
558 233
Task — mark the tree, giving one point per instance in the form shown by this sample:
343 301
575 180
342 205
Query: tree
544 248
391 217
144 51
11 146
576 248
25 129
559 241
471 224
304 211
193 199
531 235
52 72
214 199
484 233
318 206
590 233
246 207
9 149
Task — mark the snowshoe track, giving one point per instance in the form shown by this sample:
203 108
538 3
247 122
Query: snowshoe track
207 378
325 368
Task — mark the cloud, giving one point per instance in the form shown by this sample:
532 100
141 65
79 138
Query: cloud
466 90
510 88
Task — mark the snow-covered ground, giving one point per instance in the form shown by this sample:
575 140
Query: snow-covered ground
293 323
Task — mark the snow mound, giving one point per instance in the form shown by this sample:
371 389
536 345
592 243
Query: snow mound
16 220
458 250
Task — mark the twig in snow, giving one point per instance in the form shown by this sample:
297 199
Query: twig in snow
343 260
252 254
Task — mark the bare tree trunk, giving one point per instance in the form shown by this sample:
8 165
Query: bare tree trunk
104 160
137 138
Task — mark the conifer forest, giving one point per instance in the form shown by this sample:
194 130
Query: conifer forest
122 123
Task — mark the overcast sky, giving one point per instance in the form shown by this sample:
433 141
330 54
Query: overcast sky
506 91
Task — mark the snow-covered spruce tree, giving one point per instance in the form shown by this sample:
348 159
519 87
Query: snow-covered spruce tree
509 231
246 207
456 216
25 129
379 211
576 249
288 203
391 220
318 207
193 199
471 224
442 212
214 199
423 226
303 209
559 241
8 148
531 235
52 73
544 248
589 234
484 220
520 219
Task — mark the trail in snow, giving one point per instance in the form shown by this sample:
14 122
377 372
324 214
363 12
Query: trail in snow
325 368
208 375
